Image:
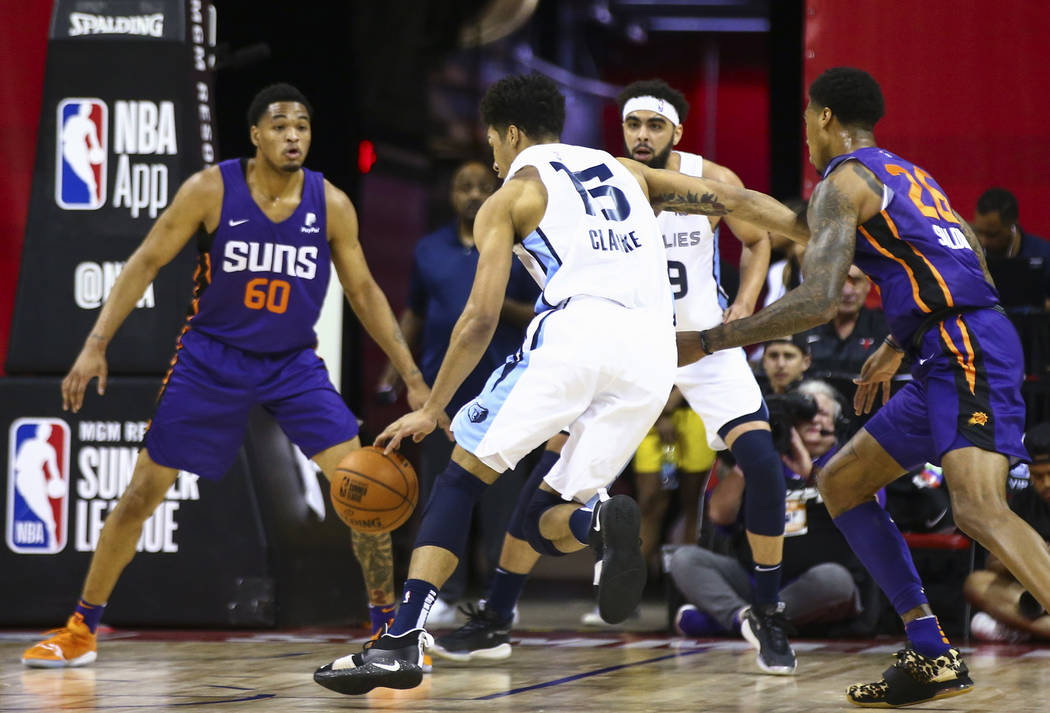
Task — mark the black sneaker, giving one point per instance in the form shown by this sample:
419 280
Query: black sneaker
620 572
914 679
386 662
484 636
767 629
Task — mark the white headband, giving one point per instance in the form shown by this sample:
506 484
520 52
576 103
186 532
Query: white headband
660 106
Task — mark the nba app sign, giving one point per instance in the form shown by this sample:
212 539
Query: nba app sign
38 486
141 128
81 152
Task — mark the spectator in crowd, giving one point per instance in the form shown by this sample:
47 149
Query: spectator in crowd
824 582
785 263
673 456
842 345
783 363
995 222
443 269
1008 612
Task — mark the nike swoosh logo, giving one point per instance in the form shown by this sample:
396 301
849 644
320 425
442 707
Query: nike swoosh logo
934 520
235 223
597 524
53 647
396 666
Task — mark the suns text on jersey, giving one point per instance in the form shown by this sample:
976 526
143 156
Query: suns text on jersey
291 260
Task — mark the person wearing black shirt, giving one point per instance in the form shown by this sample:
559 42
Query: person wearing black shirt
842 345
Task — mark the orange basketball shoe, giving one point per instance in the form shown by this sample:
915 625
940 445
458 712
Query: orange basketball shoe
72 645
428 662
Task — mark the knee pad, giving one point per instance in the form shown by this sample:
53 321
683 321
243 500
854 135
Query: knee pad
764 478
455 492
541 502
516 525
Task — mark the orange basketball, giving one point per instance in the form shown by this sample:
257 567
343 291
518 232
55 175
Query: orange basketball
374 492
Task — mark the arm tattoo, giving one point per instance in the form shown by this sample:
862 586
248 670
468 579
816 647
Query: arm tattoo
705 204
824 268
975 245
376 556
867 176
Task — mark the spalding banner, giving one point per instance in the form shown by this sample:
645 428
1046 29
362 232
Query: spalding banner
127 115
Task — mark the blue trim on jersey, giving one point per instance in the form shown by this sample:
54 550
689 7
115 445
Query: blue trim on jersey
543 237
473 420
716 271
544 253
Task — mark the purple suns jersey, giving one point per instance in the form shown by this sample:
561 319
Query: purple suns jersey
914 248
260 284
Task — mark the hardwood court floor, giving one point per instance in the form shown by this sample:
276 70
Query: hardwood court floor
607 672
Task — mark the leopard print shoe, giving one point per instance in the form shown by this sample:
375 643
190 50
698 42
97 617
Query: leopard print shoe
914 678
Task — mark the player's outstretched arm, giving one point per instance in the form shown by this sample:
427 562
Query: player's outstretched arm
494 237
754 259
834 214
366 299
198 202
677 192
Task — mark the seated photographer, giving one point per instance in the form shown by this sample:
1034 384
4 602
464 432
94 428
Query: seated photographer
824 583
1008 612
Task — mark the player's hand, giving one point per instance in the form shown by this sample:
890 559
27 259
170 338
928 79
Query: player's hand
417 395
737 311
689 349
875 375
416 425
90 364
798 458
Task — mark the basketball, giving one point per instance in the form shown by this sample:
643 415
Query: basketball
373 491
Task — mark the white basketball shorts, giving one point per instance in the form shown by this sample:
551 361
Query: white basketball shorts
593 368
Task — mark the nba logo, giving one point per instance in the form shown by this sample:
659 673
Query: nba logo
38 486
80 154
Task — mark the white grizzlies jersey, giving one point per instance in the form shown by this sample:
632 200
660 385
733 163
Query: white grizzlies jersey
598 237
692 261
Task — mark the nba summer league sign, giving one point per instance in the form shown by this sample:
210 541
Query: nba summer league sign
49 498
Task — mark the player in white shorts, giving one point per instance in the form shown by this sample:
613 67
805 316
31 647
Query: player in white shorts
598 360
722 391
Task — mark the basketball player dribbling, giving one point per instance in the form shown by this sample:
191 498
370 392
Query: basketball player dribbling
273 229
963 408
721 389
599 360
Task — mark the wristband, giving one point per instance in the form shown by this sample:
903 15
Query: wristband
893 345
703 344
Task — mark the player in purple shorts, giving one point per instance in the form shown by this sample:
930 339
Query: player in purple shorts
272 228
963 408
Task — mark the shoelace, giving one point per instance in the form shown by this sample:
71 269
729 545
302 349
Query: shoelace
426 638
477 618
778 627
911 660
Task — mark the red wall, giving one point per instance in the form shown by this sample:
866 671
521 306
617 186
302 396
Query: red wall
741 132
21 86
967 88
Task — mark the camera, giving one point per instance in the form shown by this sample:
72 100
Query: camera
785 410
